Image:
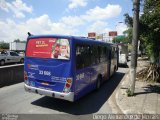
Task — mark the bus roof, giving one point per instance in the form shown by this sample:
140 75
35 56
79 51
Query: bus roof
83 39
44 36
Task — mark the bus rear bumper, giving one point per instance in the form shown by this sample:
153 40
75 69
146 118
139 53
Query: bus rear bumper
66 96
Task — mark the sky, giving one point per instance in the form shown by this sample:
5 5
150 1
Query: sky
66 17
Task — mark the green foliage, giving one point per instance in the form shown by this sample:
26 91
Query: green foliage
129 93
128 34
17 40
128 20
23 41
119 39
4 45
149 28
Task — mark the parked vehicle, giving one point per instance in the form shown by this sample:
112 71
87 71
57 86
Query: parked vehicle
123 54
10 57
122 59
21 53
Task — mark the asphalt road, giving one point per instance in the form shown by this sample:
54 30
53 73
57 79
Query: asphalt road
14 99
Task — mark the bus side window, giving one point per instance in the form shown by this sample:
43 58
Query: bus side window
99 54
79 60
116 51
86 56
102 53
113 52
83 58
94 54
107 53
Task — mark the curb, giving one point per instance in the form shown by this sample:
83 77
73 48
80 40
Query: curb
120 92
113 100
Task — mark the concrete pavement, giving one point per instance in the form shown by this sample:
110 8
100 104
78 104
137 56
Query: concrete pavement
146 99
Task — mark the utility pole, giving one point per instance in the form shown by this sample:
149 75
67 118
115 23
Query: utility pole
134 45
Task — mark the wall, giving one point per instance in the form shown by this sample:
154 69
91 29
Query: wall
11 74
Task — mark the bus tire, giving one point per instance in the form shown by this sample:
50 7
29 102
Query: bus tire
115 68
98 83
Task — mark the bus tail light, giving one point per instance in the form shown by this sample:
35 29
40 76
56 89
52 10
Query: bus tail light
25 76
69 80
67 85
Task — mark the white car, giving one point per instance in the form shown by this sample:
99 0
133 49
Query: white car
122 59
10 57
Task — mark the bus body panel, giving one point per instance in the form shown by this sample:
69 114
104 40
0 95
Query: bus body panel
48 76
86 78
82 82
53 73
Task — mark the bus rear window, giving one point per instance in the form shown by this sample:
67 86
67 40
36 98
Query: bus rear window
48 48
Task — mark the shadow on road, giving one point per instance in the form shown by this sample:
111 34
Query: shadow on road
88 104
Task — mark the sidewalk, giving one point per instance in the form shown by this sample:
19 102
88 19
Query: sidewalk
146 99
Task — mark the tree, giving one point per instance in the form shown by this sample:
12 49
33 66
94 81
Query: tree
128 20
4 45
21 41
24 41
120 39
150 34
128 34
17 40
149 38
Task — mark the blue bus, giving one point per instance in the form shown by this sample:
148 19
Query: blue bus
67 67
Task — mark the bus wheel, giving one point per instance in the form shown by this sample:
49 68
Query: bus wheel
114 69
98 84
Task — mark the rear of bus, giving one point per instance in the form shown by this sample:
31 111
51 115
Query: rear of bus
47 67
